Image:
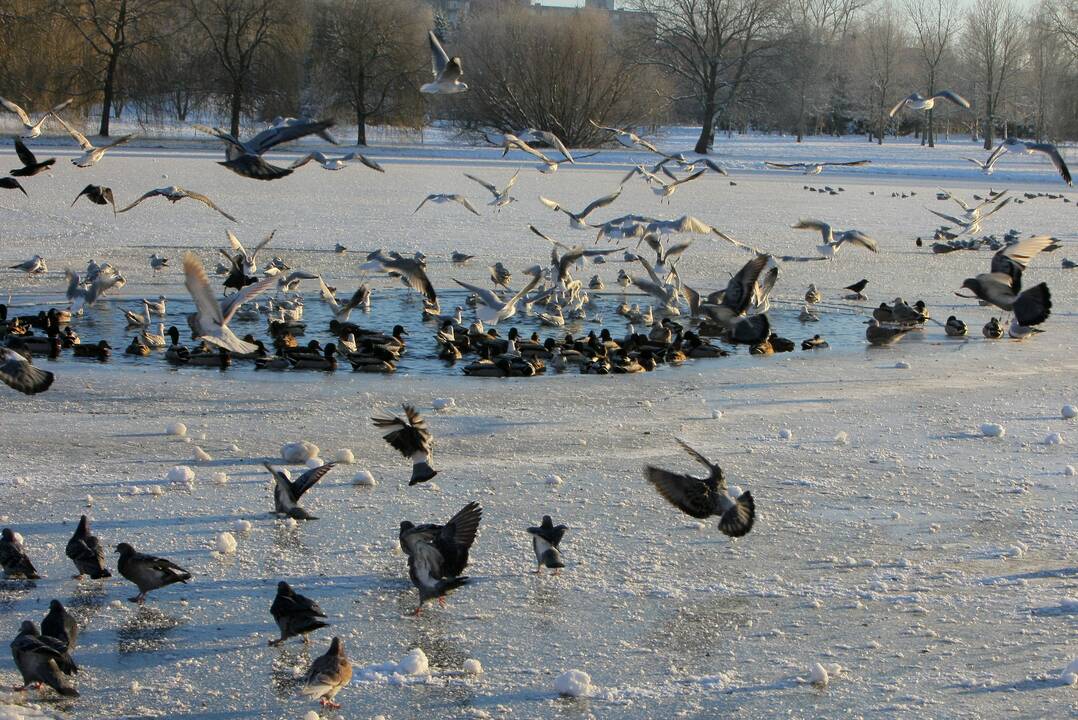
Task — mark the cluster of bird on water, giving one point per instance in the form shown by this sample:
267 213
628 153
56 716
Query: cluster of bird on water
437 555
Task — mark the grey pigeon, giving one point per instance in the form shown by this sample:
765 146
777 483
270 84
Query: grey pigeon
545 541
148 572
87 552
704 497
438 554
295 614
411 438
59 624
19 373
42 659
286 493
13 557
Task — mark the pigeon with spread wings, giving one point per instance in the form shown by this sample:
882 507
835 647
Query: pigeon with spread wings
1002 285
412 439
245 158
287 492
174 193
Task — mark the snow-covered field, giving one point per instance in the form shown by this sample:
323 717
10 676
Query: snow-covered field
934 566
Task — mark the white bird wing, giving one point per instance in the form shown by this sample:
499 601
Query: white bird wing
118 141
549 239
900 103
264 243
1055 156
439 60
198 284
79 137
236 300
490 187
600 203
17 110
306 159
953 97
485 296
823 228
1023 251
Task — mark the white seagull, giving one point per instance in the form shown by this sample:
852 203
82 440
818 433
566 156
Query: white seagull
447 71
33 129
833 241
491 309
1031 147
340 163
174 193
501 195
90 155
210 322
577 221
440 198
814 168
916 101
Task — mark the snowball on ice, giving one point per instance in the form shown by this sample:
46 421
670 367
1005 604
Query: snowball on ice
156 490
344 457
842 438
297 453
220 478
443 403
554 480
314 463
785 434
574 683
311 715
1069 412
291 523
472 667
177 428
902 365
993 430
1053 439
1070 673
818 675
135 686
226 543
364 478
1069 471
716 414
414 663
181 474
243 526
202 455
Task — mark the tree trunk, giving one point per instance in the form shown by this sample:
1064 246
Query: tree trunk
237 104
361 128
931 129
108 90
707 122
989 131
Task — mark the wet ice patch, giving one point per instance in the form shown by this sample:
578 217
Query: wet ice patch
574 683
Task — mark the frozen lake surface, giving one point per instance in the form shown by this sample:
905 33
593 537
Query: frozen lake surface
934 565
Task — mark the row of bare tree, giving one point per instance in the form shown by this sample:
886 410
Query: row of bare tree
798 66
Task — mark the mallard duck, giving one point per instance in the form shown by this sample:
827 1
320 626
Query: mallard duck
780 344
954 327
993 330
327 361
137 348
38 345
98 351
207 356
265 361
814 343
69 338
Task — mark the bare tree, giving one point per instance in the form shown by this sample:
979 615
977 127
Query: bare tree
707 47
112 29
243 35
1063 18
995 42
371 55
935 23
883 43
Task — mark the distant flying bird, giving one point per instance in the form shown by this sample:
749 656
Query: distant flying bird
174 193
98 195
509 141
628 138
970 223
440 198
833 241
501 195
210 322
705 497
815 168
447 71
578 221
412 439
549 167
549 139
916 101
30 165
33 129
665 189
10 183
91 155
340 163
989 165
245 158
1030 147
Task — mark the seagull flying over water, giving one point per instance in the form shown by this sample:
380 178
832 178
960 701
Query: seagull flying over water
211 319
492 309
447 71
33 129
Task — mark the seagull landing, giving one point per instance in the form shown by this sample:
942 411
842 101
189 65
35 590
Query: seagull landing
833 241
578 221
447 71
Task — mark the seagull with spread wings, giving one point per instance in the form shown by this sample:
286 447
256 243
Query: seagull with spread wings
91 155
970 222
491 309
578 221
747 290
442 198
447 71
501 195
33 129
245 158
629 139
340 163
411 271
175 193
834 240
210 322
814 168
1030 147
916 101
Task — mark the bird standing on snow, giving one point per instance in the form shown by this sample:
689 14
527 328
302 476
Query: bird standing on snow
412 439
59 624
148 572
41 659
87 552
438 554
13 557
295 614
328 675
286 492
447 71
916 101
545 540
704 497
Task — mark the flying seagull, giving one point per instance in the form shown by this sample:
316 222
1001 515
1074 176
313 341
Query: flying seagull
665 189
447 71
1002 285
411 438
747 289
210 322
440 198
409 270
287 492
174 193
989 165
916 101
705 497
501 195
549 167
549 139
814 168
491 309
98 195
33 129
833 241
578 221
91 155
629 139
30 165
972 218
245 158
340 163
1031 147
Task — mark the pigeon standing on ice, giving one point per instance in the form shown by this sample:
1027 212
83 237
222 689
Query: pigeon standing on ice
13 557
438 554
42 659
148 572
545 541
295 614
286 492
59 624
87 552
328 675
412 439
704 497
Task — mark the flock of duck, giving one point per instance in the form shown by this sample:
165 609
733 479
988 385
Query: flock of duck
679 324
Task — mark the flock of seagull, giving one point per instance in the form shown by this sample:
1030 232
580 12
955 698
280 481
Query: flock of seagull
679 322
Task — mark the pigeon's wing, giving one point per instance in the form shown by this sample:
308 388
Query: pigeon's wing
1055 156
464 526
439 60
698 497
308 479
600 203
1021 253
25 156
426 566
12 107
220 135
16 372
737 516
278 134
490 188
146 196
740 289
79 137
207 202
